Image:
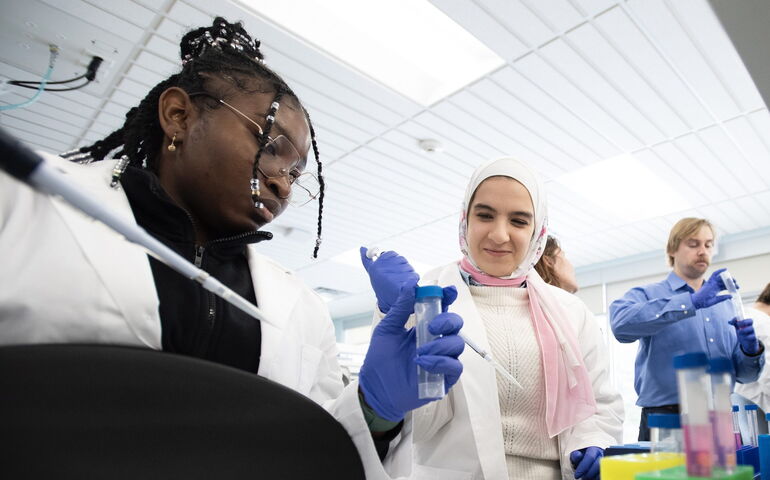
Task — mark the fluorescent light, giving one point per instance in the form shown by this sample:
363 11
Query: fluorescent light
352 258
626 187
409 45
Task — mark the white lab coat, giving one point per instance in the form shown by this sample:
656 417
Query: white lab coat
66 278
460 437
759 391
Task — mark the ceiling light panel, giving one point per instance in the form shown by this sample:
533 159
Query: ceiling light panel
429 58
483 26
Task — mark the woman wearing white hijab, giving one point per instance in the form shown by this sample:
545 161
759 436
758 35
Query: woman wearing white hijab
566 414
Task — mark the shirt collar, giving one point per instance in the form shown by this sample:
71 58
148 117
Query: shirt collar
676 283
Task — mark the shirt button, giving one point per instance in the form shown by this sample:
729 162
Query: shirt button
711 340
657 315
685 311
708 319
684 306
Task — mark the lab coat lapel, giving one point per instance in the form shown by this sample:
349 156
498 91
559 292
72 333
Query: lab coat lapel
122 266
478 381
276 295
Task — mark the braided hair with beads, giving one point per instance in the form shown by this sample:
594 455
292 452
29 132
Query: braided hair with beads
224 50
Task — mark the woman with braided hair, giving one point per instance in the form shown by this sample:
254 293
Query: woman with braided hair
210 156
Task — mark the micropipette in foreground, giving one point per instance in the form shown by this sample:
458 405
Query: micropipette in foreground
374 252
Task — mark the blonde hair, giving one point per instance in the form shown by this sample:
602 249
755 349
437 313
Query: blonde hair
682 230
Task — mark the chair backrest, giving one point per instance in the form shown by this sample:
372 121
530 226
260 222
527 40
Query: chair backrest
96 411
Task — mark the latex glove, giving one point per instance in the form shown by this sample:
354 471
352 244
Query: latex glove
707 295
388 376
386 275
586 462
746 335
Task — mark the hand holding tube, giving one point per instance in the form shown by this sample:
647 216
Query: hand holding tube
388 377
707 296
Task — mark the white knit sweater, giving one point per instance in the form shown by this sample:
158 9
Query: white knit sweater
530 453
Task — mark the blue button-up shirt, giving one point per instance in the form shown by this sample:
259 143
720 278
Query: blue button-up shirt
662 317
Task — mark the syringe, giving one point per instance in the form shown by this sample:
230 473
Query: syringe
374 252
732 288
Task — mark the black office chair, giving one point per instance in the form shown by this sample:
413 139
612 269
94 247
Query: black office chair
95 411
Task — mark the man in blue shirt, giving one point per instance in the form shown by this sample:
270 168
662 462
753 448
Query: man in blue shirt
682 314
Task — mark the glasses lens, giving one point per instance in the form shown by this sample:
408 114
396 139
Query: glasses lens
304 189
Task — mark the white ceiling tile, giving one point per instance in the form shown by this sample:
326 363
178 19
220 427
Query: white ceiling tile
501 111
691 169
31 128
96 16
161 66
752 210
669 37
519 20
458 131
130 11
133 88
144 76
623 77
506 143
756 151
484 27
452 147
640 52
704 29
163 48
592 7
574 99
45 121
38 142
188 16
735 159
583 74
559 15
446 164
541 101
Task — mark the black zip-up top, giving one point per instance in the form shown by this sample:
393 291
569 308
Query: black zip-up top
194 321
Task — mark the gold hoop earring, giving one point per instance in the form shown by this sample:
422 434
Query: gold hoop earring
171 146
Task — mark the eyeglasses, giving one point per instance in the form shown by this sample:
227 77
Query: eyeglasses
277 153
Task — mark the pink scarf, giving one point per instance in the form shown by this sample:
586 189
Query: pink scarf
568 390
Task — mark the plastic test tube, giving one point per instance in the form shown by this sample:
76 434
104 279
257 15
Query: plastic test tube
693 384
426 306
720 369
737 427
751 419
665 432
732 288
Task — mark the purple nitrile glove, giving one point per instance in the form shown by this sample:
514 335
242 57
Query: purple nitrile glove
388 377
586 462
386 275
747 338
707 296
